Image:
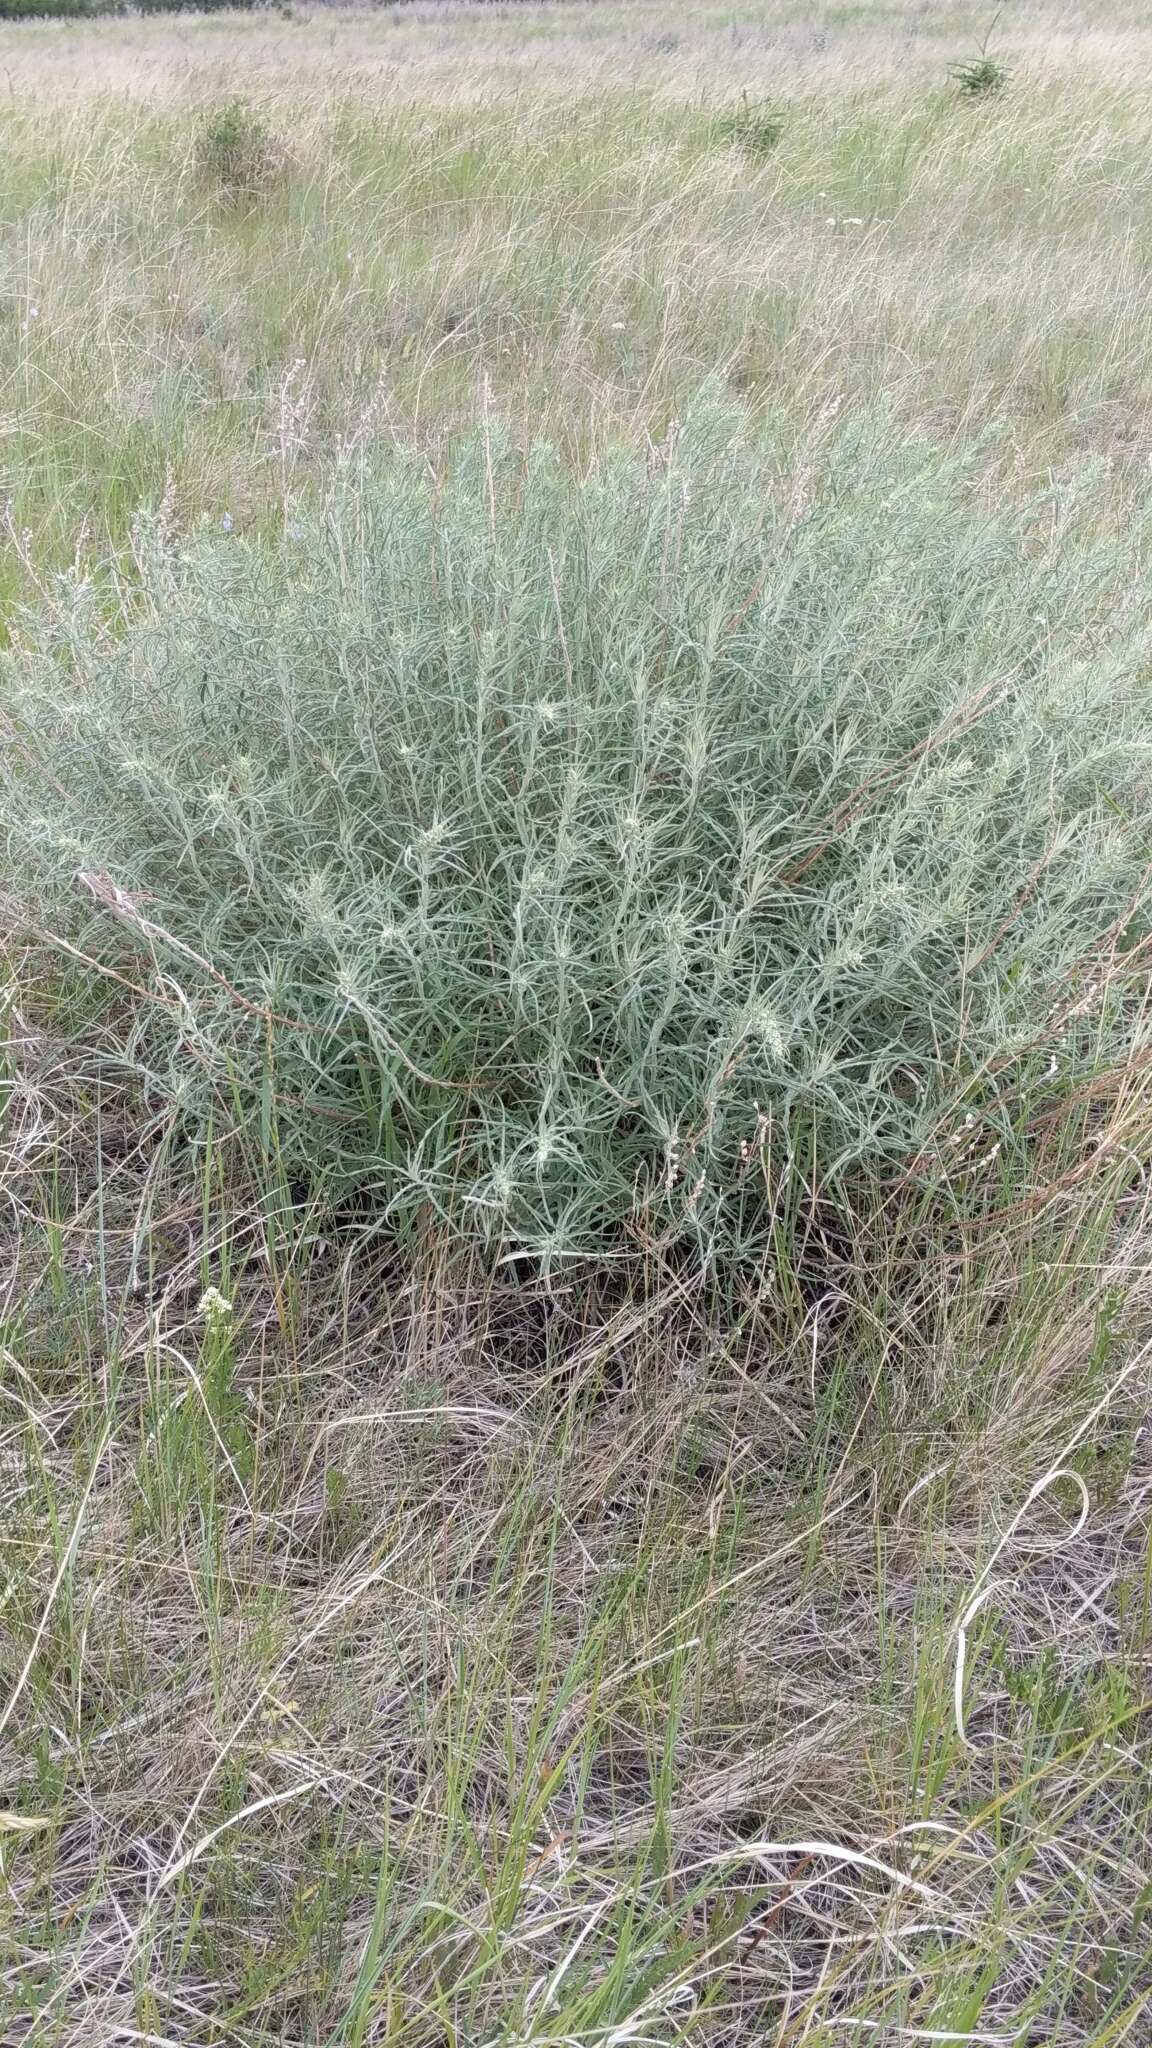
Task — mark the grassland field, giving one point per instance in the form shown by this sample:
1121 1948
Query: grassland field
575 1045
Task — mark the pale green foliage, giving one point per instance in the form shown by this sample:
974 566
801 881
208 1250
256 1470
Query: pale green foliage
626 852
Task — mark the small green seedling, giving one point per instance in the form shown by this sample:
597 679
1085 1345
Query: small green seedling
755 126
981 75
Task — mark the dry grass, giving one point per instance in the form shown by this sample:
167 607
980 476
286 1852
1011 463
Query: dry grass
396 1659
579 254
390 1655
464 51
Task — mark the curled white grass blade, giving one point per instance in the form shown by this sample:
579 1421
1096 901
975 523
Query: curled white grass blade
1060 1469
201 1847
546 1989
925 1480
960 1666
937 2034
835 1852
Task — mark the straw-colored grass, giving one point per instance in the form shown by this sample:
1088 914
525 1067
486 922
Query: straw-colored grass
576 240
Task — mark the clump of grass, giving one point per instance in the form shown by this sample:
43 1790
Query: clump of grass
754 126
629 862
236 155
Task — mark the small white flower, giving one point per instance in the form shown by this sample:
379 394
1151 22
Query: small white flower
33 312
213 1307
435 831
226 522
762 1021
